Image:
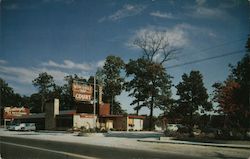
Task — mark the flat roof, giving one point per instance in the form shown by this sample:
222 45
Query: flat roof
120 116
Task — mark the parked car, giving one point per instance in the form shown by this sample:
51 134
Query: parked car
172 127
176 127
23 127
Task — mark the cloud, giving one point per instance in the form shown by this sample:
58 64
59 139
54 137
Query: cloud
26 75
59 1
18 74
127 10
200 2
100 64
68 64
57 74
180 36
195 31
175 36
21 77
201 11
2 62
162 15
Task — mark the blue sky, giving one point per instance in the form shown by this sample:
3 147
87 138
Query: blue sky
65 37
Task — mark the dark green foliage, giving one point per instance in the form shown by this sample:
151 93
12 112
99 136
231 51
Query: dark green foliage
35 103
150 85
241 75
233 96
112 80
193 95
8 97
117 109
44 82
67 100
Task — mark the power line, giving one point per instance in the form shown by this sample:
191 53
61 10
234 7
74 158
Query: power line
222 44
219 45
206 59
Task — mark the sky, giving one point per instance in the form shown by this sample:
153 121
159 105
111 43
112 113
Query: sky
65 37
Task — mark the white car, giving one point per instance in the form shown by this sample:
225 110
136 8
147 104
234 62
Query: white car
23 127
175 127
172 127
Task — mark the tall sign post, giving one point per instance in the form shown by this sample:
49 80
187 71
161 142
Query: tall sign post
94 101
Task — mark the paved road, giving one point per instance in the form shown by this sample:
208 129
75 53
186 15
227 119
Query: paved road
20 148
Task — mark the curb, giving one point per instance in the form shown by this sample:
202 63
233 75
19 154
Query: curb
197 143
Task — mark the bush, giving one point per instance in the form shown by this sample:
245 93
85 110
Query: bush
183 130
92 130
83 129
112 129
103 131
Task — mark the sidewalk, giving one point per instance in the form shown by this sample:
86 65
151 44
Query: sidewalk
171 141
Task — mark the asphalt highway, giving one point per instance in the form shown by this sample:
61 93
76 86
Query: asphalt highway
21 148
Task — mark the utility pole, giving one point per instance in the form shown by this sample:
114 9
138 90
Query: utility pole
1 106
94 102
112 105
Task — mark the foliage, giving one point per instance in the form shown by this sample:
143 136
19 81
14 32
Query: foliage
67 100
112 80
44 82
150 84
117 108
233 96
8 97
241 75
35 103
137 69
193 95
225 96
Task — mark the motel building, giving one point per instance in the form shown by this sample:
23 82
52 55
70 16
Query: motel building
85 115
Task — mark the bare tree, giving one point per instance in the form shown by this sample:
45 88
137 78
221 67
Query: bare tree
155 46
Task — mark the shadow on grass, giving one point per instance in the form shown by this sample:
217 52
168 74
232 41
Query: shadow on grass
222 156
133 135
214 141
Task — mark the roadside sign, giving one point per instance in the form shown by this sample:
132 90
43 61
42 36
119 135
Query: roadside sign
82 92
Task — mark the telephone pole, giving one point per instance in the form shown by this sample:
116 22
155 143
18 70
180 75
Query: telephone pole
94 101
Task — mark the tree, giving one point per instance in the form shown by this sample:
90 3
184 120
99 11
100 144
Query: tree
137 69
233 95
155 46
56 92
241 75
193 95
35 103
226 95
7 95
112 80
150 85
44 82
